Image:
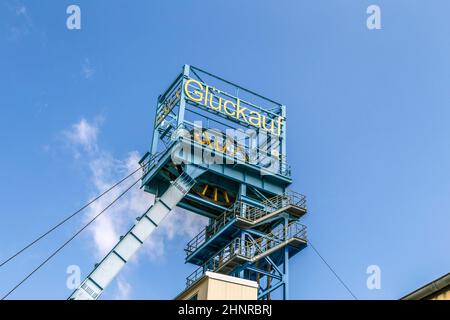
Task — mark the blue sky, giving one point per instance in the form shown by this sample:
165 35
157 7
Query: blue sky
368 133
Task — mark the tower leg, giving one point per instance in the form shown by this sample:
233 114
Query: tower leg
286 264
286 275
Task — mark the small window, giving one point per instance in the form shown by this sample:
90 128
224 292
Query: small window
194 297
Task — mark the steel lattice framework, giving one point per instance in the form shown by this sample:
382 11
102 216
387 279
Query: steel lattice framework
239 180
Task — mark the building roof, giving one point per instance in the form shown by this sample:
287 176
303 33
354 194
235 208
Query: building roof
429 289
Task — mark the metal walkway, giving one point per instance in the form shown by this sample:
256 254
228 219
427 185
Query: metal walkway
240 251
242 216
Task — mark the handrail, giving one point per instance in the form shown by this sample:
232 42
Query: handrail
273 204
150 160
247 212
249 249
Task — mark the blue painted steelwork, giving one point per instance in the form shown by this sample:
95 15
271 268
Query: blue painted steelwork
254 220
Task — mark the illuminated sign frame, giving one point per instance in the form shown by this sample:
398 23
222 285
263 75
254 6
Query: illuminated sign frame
214 99
168 106
195 88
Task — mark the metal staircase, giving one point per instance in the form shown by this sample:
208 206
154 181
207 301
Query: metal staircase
247 216
248 237
249 249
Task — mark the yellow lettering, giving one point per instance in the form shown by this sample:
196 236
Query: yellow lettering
211 102
279 124
199 94
205 103
205 96
228 113
264 124
255 119
240 111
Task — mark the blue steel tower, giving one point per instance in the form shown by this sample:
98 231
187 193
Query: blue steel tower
218 150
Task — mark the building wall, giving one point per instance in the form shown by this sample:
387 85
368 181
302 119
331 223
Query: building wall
214 286
224 290
442 295
196 292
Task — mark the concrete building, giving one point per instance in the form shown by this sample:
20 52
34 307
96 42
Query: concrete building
215 286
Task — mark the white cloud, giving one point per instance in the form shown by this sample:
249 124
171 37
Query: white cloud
123 291
83 134
106 231
87 70
22 23
179 223
21 10
105 171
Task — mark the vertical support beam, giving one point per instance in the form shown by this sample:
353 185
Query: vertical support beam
283 165
242 192
286 265
154 146
182 108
